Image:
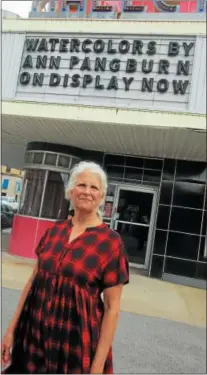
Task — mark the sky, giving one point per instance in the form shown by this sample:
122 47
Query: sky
22 8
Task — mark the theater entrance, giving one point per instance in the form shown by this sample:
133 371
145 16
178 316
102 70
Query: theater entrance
130 210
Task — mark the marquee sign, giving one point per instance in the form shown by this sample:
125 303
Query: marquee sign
139 67
112 8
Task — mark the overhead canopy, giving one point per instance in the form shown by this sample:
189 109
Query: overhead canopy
146 133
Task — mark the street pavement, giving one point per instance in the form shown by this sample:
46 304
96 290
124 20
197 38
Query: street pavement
144 344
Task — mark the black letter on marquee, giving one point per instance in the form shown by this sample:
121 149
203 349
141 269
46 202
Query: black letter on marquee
183 67
174 49
162 86
99 46
53 42
28 62
54 79
137 47
146 69
43 46
86 65
63 45
84 44
65 82
31 44
114 65
74 45
38 79
97 83
87 79
187 48
151 48
163 67
124 46
55 62
180 87
100 64
127 82
75 80
131 66
41 62
74 60
110 45
147 84
25 78
113 84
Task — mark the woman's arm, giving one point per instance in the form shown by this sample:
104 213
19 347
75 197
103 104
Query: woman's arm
28 285
8 338
112 298
20 305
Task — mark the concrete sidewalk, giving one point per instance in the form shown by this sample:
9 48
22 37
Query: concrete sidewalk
143 295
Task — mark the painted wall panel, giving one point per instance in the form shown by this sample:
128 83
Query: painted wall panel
198 89
12 45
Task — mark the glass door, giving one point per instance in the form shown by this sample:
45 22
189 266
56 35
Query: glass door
133 219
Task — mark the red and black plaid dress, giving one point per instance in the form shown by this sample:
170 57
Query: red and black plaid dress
58 330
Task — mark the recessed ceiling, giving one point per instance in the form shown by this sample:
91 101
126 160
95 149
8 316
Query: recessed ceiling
125 139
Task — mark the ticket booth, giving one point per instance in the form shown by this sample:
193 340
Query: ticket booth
43 201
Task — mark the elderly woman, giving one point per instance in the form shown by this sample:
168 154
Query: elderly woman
62 325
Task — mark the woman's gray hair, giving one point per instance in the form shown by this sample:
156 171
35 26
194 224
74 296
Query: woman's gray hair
94 168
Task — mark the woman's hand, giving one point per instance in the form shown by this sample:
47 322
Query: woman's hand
6 347
96 369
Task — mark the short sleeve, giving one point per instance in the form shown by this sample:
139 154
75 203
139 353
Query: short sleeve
116 268
40 246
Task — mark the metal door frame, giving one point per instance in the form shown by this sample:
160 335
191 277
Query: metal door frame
113 224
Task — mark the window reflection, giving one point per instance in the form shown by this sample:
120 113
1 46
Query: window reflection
133 174
188 195
134 206
203 249
115 171
186 220
169 169
114 159
151 176
191 171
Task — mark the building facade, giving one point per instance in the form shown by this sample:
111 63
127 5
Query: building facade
129 94
11 182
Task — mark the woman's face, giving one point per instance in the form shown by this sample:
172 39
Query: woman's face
87 193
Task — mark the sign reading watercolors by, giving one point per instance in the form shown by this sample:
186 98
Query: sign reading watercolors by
139 71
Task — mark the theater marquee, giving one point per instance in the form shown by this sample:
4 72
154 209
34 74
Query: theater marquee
138 71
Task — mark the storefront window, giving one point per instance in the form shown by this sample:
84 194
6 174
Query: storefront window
64 161
50 159
32 192
38 157
55 206
29 157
